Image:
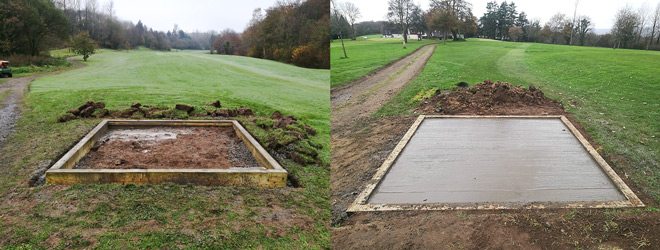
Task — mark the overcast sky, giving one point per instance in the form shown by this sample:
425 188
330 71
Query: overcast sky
190 15
601 11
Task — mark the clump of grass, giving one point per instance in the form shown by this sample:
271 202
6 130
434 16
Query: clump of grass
424 94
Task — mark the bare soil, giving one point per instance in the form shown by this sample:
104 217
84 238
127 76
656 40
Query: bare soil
365 96
158 148
489 98
360 148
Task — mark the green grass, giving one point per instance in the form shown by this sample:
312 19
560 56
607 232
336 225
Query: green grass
120 78
62 53
617 92
366 55
165 216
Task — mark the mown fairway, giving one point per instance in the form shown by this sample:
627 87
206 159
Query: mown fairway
614 94
366 55
164 216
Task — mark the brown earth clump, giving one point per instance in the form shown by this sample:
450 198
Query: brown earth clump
184 107
87 110
489 98
216 104
93 109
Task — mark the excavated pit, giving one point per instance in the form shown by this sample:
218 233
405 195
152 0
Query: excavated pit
169 148
203 152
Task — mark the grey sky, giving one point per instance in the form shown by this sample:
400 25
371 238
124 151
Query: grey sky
190 15
601 11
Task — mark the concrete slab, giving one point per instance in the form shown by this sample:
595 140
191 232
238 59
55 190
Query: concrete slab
499 161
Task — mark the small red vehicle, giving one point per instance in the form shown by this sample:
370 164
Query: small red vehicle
5 71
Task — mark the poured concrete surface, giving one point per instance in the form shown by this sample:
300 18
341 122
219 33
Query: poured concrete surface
488 160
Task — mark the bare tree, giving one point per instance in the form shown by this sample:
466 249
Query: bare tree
573 24
583 26
625 26
400 13
336 14
555 26
456 15
656 23
515 33
642 16
110 8
352 13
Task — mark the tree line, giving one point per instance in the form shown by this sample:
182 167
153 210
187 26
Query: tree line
636 29
443 18
32 27
292 32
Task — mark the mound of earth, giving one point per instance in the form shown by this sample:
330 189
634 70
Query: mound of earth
489 98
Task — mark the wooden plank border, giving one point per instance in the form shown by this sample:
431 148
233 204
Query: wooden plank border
270 175
614 177
361 203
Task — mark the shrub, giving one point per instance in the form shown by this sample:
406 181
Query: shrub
83 45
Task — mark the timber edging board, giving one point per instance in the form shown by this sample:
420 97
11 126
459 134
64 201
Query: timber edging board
269 175
361 203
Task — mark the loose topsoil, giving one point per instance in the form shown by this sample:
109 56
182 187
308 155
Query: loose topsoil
489 98
169 147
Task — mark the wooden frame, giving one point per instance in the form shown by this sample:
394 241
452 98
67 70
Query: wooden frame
361 203
269 175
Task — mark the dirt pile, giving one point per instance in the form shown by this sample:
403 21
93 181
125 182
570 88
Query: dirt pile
489 98
93 109
290 138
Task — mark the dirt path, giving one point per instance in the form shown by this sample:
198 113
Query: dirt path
10 107
363 98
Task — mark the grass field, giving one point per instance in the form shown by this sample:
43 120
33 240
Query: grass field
366 55
164 216
614 94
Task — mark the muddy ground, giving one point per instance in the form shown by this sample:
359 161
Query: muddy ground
359 149
168 147
365 96
10 107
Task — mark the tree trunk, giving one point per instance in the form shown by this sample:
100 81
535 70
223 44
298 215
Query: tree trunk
648 44
342 44
353 29
404 33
